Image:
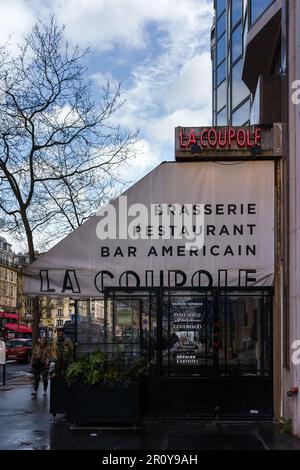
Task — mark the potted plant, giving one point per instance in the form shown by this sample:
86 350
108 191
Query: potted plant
105 388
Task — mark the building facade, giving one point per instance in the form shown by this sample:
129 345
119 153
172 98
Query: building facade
256 71
231 97
54 312
8 278
59 311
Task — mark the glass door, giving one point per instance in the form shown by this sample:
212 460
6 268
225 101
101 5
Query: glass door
131 323
217 333
245 322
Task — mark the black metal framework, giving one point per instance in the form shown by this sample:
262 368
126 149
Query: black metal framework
209 349
220 309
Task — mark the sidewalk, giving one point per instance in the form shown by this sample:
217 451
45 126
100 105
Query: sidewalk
27 425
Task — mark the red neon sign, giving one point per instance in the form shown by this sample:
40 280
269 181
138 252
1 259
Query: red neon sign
220 138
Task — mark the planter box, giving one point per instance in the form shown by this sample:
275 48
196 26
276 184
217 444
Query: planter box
61 396
96 404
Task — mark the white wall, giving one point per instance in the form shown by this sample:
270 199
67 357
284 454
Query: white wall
292 378
297 19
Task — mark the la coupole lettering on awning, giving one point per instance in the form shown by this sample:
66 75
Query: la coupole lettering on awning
213 142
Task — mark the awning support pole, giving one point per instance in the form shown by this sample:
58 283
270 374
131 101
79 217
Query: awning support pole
76 325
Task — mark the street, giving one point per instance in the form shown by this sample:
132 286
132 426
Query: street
29 426
15 370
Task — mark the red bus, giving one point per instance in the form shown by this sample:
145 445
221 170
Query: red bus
10 327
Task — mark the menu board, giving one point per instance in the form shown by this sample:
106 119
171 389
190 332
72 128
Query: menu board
190 322
188 316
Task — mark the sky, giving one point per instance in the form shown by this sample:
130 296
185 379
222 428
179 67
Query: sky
159 50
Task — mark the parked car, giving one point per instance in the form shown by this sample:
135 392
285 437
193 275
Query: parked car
19 349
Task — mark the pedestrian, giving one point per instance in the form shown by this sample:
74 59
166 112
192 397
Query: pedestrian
41 357
62 351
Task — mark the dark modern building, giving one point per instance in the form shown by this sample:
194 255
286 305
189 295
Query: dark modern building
232 99
256 71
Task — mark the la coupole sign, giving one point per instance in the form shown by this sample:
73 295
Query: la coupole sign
229 141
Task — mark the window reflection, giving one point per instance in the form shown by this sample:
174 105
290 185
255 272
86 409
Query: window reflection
245 346
221 25
221 96
242 115
232 339
221 72
237 45
258 7
236 9
221 49
239 89
220 6
222 117
90 321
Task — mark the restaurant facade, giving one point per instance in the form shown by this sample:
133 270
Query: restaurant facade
186 263
198 262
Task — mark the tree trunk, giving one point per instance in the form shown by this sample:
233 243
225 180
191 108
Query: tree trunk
36 313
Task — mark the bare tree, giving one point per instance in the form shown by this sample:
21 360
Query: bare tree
59 150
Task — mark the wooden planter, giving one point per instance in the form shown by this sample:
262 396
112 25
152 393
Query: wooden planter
96 404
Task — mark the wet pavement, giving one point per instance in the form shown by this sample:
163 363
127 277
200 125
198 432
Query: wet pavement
27 425
15 370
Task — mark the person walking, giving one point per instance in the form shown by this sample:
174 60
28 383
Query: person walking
41 357
62 351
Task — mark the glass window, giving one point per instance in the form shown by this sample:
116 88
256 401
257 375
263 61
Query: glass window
236 8
245 346
237 44
221 73
258 7
222 117
221 96
229 16
221 49
239 89
245 7
229 99
15 344
221 25
220 7
245 33
242 115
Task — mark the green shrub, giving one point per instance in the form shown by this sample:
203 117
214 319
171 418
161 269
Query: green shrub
100 368
285 425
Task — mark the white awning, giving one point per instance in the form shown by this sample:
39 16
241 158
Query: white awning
238 205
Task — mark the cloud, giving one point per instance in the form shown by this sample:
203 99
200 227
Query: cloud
16 19
162 47
177 91
148 156
192 86
162 130
101 79
108 23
